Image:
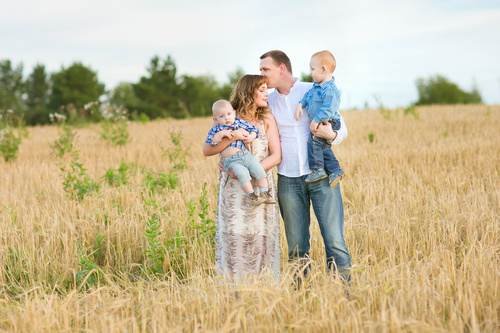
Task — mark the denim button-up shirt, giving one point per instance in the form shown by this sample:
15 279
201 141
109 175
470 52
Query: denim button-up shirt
322 101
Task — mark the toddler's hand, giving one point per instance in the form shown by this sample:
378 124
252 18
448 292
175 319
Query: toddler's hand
313 127
298 112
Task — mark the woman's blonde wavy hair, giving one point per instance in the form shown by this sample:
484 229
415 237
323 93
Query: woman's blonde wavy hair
243 98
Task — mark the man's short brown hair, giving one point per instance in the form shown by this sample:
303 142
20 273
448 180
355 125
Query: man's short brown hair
279 57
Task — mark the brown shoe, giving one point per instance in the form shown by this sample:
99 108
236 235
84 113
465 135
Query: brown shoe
268 199
256 200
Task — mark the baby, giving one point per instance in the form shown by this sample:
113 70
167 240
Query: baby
236 156
322 102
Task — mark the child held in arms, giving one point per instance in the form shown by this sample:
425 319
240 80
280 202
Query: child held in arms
236 156
322 103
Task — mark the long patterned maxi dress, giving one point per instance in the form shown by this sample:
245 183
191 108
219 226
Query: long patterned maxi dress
247 237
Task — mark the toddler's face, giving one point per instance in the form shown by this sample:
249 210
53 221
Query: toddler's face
317 72
225 115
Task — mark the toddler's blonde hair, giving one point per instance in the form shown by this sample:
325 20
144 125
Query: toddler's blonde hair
327 59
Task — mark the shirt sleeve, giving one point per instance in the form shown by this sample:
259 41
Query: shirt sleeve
304 99
330 106
341 133
211 133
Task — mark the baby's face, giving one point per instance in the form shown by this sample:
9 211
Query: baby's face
225 115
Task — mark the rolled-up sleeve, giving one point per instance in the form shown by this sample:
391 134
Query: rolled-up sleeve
341 133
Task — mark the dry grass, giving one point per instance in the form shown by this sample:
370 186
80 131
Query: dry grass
422 209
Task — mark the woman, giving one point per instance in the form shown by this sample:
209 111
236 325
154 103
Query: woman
247 237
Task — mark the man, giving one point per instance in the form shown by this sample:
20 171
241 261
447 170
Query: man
294 195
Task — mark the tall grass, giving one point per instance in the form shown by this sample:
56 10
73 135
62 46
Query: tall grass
422 206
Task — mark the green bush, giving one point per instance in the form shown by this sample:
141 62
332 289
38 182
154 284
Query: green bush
439 90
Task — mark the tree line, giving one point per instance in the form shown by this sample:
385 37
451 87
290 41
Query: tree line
159 94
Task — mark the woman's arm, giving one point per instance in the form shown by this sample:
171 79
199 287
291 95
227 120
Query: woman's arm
209 150
273 137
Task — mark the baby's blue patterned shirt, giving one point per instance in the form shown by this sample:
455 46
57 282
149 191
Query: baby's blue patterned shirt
238 123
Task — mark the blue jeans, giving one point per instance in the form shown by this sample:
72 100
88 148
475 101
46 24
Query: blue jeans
320 154
244 165
294 197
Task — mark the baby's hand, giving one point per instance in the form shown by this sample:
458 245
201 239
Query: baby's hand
298 112
228 134
313 127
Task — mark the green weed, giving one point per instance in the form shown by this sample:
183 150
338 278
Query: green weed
175 153
160 181
12 131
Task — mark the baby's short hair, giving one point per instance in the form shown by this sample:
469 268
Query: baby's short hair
326 58
219 104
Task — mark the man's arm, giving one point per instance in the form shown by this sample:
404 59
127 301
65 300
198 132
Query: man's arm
326 132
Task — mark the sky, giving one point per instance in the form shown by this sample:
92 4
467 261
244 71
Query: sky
381 47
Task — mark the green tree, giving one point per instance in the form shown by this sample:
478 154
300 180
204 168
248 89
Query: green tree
37 94
77 85
439 90
123 95
11 86
198 93
305 77
158 93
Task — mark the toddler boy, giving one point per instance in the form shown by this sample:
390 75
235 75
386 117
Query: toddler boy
322 104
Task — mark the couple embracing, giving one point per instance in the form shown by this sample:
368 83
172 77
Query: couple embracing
247 223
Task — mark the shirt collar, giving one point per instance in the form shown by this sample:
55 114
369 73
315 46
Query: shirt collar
324 85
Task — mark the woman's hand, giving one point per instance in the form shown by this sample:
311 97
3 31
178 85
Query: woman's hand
240 134
250 137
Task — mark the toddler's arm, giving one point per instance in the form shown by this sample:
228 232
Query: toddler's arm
298 111
329 108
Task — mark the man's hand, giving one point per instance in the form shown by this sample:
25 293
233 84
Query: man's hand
325 131
298 112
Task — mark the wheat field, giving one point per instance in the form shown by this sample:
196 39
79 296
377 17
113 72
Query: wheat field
422 223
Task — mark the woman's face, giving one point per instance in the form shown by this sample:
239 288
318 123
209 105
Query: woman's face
261 96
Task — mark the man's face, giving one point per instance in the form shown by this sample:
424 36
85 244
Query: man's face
269 69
